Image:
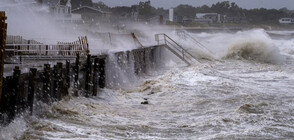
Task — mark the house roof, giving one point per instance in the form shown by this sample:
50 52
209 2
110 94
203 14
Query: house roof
62 2
54 3
89 10
50 3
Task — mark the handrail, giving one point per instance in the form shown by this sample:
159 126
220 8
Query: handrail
183 49
177 54
136 40
177 49
186 34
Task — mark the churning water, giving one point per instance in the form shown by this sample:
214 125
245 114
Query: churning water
244 92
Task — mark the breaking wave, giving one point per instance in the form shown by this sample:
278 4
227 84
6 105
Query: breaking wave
255 50
254 45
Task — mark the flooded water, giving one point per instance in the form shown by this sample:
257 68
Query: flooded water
244 92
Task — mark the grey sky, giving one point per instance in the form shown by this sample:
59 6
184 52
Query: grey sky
249 4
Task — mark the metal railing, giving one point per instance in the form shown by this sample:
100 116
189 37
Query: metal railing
185 35
175 48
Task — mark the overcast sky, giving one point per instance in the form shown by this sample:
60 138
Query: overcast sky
249 4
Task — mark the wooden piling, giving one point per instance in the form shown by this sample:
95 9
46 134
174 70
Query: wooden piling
138 61
76 75
95 76
32 88
67 76
46 83
60 78
101 73
7 106
3 31
88 75
143 61
55 82
13 94
16 87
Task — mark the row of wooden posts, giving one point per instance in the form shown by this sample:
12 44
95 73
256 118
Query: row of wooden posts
51 84
83 77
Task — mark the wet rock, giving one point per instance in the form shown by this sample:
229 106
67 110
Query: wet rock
145 88
151 93
185 126
249 108
226 120
263 104
144 102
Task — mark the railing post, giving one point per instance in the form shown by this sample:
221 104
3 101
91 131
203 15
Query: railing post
164 36
47 50
28 47
32 88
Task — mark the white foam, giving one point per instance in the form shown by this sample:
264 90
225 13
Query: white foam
286 46
14 130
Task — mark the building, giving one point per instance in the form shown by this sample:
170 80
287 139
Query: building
286 20
235 19
90 14
157 19
61 10
208 18
171 14
211 18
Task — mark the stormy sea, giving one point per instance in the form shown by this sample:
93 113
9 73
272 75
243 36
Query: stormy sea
240 88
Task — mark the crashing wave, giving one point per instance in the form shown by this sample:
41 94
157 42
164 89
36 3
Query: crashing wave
261 50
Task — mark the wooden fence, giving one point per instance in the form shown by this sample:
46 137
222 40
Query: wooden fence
17 46
84 77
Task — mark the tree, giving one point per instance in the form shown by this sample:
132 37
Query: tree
185 11
221 7
39 1
145 9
